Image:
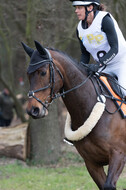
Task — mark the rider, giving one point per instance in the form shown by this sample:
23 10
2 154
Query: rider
100 36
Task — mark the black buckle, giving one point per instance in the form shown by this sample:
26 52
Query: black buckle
30 94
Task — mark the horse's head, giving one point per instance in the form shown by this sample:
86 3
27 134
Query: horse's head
45 80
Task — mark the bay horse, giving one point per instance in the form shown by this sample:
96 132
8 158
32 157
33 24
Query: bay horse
53 74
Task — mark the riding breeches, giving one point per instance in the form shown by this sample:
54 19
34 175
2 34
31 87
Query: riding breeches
118 70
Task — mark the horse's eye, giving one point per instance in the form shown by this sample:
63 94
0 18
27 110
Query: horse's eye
43 73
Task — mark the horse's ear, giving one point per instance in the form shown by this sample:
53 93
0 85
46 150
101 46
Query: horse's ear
28 50
40 49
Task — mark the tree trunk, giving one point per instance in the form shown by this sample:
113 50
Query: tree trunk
45 138
44 133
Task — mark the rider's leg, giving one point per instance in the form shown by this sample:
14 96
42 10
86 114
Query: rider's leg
122 80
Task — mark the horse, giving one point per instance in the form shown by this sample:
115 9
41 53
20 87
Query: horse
54 74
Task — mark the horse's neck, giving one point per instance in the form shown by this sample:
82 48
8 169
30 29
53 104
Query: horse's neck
78 102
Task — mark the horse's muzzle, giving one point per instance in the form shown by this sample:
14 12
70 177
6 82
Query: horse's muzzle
36 112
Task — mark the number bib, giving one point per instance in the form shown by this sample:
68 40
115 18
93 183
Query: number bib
95 40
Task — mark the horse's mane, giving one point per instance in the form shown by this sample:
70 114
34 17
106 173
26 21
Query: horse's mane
71 59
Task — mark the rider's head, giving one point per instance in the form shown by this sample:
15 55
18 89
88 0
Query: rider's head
88 5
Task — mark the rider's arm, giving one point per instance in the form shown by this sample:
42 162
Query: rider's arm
109 29
85 55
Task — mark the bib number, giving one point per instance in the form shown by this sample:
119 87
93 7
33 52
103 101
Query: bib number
101 54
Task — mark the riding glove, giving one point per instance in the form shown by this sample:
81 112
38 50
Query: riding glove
93 68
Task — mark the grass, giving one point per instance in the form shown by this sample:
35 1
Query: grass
17 177
68 174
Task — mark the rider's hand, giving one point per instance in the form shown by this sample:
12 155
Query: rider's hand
93 68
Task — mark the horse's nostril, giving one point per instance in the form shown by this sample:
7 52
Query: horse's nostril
35 111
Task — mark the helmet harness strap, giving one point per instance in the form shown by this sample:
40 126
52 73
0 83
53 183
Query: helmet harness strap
86 14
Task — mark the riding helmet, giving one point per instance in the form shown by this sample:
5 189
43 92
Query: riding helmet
85 2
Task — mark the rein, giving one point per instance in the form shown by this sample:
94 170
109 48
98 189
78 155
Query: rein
70 90
53 96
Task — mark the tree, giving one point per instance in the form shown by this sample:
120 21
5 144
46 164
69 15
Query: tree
45 138
44 133
6 68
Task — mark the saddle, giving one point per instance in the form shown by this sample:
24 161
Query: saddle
111 85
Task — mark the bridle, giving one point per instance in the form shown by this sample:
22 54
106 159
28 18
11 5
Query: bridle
51 85
53 96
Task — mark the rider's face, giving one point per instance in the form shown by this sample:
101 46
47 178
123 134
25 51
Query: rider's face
80 11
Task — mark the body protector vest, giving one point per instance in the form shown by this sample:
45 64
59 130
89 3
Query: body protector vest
95 40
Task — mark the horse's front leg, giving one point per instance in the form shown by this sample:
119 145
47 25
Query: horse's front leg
97 173
116 165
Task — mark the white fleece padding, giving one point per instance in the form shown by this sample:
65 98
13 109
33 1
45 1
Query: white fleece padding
87 127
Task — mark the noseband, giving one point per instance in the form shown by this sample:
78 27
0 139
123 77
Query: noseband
51 84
